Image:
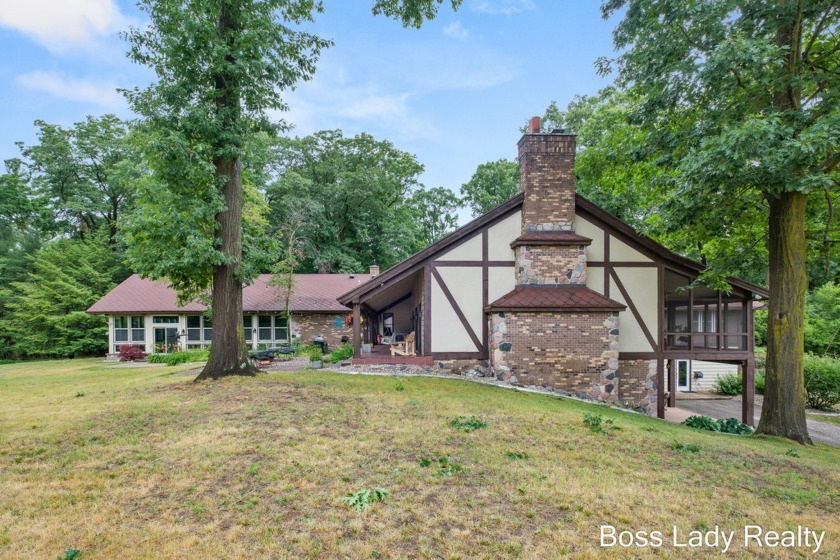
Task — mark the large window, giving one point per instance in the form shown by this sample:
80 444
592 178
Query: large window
199 331
272 329
129 329
702 319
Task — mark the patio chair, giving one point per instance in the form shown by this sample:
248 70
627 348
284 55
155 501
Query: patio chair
405 348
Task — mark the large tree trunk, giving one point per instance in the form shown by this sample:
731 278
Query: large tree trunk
783 410
229 353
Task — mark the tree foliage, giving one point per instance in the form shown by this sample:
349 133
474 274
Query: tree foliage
744 95
491 184
435 213
46 315
822 321
356 191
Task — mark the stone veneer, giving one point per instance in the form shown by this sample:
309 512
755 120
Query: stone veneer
639 384
332 326
550 265
572 352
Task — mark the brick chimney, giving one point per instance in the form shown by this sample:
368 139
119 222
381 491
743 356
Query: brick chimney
547 177
548 253
374 270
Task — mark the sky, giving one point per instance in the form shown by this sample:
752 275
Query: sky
453 93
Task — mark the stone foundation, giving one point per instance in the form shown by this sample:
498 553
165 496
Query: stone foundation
576 353
638 384
550 265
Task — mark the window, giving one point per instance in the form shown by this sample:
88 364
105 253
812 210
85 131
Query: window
138 328
208 328
120 329
165 320
194 328
387 324
281 328
264 331
248 321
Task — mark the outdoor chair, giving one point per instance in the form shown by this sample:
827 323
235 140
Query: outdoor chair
405 348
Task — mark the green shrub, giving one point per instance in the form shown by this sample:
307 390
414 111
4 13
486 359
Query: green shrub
760 327
734 426
176 358
759 383
316 356
822 382
702 423
728 384
343 353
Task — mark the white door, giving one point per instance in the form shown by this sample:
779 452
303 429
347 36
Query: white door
683 375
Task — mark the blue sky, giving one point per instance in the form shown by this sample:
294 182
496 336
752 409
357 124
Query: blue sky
453 93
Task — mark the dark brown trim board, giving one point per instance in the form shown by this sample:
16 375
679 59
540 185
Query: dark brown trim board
457 308
485 290
427 310
438 264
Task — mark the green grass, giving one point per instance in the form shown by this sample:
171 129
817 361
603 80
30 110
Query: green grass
151 463
825 418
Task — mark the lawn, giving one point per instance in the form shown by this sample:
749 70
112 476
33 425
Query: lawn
140 463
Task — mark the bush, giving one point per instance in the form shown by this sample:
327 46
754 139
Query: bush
316 356
759 384
822 382
734 426
176 358
760 327
131 353
343 353
728 384
702 423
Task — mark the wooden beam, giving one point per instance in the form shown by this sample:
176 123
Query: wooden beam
357 329
483 262
672 384
485 292
427 310
660 389
748 393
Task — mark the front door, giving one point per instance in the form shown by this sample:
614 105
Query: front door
683 375
166 340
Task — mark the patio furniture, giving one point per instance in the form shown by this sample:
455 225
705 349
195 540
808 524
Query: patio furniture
405 348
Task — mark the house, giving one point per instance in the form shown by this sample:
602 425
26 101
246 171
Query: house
548 289
146 313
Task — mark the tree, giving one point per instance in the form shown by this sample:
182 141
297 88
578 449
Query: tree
491 184
83 174
752 86
46 315
221 66
435 213
356 191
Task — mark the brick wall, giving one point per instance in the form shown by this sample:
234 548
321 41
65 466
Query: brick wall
332 326
575 353
638 384
547 165
546 264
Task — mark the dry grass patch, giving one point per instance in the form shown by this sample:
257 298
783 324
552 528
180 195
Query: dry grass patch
151 463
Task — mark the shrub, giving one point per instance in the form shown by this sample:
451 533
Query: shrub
343 353
759 383
734 426
728 384
822 382
176 358
316 356
702 423
131 353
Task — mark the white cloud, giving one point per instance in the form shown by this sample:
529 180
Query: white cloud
456 31
61 24
504 7
72 89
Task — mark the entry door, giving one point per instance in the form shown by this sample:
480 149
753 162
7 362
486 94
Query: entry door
683 375
165 339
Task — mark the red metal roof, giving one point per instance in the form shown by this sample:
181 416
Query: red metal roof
565 297
316 293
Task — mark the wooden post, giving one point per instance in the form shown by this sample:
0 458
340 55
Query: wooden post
357 329
660 389
672 384
748 392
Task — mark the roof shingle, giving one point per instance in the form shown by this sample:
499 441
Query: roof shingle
312 293
546 298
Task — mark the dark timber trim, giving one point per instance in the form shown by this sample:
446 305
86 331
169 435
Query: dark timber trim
623 264
484 262
427 309
635 311
485 290
457 309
